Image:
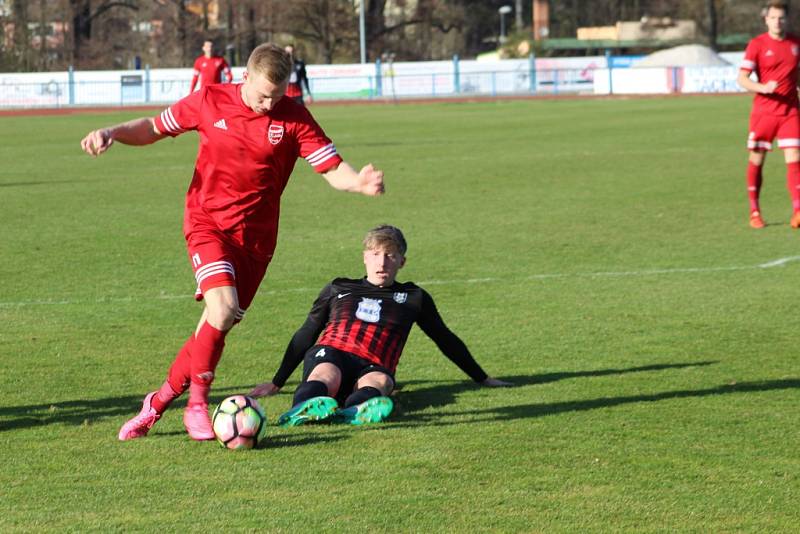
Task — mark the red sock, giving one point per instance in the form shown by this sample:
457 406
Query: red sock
206 352
198 393
164 397
753 185
180 369
177 378
793 183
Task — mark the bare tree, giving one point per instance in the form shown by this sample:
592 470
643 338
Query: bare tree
21 37
84 14
330 24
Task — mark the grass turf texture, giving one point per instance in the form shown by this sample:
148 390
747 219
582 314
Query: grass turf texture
594 252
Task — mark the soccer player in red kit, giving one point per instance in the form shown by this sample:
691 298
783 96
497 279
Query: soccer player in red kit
774 56
250 138
353 338
209 68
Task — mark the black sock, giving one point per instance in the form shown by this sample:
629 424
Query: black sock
309 390
361 395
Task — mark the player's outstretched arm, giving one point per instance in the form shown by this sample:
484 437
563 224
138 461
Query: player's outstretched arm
301 341
135 132
368 181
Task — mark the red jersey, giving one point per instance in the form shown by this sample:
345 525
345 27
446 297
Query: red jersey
208 70
244 162
777 60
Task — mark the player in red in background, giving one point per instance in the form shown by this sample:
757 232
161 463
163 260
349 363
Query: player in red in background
250 138
298 78
209 68
774 56
354 335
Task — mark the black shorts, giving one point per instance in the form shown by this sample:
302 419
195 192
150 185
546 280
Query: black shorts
352 367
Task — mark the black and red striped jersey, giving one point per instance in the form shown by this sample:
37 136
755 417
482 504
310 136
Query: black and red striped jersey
373 323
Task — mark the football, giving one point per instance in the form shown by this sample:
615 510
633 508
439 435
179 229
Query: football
239 422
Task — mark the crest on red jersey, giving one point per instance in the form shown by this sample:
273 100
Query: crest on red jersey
794 50
275 133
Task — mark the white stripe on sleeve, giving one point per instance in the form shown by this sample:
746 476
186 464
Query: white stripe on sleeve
320 156
170 123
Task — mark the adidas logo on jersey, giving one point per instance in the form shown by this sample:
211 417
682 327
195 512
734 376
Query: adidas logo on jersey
221 124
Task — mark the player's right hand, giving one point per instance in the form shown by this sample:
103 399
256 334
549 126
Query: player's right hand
770 87
264 390
371 181
97 142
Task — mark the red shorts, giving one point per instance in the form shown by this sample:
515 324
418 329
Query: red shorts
765 128
217 262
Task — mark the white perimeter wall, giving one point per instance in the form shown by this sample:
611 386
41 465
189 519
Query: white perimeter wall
388 80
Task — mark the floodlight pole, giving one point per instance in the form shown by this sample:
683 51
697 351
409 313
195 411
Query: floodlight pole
503 10
362 23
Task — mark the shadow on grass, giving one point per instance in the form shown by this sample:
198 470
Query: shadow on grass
82 411
444 394
526 411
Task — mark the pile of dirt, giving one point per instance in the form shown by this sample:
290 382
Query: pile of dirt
683 56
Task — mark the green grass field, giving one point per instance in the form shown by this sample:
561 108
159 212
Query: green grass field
595 252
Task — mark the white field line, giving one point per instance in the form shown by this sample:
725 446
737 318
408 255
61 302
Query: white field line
781 262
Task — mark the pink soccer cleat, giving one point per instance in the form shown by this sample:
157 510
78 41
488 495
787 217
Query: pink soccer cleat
197 422
756 221
139 426
795 222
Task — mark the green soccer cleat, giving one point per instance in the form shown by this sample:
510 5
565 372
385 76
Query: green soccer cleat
315 409
373 410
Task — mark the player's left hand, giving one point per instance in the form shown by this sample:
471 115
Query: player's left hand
371 181
264 390
495 383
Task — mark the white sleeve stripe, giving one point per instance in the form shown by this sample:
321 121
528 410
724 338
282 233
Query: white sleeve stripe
321 150
169 121
323 160
165 122
165 119
747 64
320 156
174 121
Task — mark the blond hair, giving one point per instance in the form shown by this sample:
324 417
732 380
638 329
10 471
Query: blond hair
776 4
271 61
386 236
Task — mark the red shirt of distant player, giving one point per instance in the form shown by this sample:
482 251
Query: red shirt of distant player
778 60
244 162
209 70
